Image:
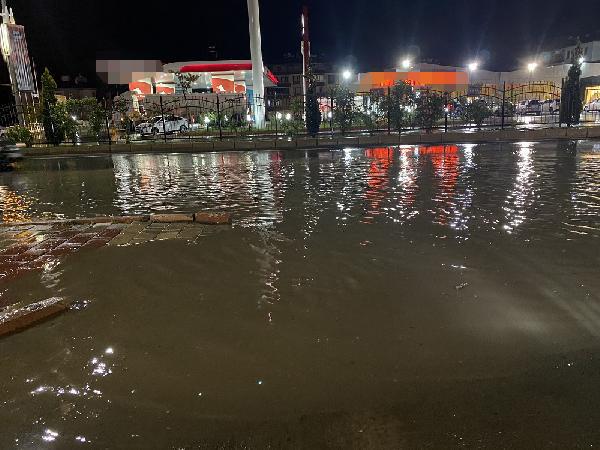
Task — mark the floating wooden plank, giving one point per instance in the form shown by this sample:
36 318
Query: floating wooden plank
15 319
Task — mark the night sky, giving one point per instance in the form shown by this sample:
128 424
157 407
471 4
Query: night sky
68 35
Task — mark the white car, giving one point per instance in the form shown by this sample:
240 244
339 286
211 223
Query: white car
592 106
529 107
551 106
172 124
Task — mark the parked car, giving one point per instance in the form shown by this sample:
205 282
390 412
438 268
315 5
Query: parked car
509 109
172 124
593 106
529 107
551 106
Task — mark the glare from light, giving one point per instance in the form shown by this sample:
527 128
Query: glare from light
329 115
581 60
346 74
206 119
473 66
109 351
406 63
248 117
288 116
531 66
279 115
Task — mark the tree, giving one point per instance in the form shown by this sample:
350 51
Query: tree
571 103
186 80
49 114
344 111
398 104
312 111
372 112
429 108
293 122
121 106
475 112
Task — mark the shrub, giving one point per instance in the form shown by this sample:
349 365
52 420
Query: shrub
19 134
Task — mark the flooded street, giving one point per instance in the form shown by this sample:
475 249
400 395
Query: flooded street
412 297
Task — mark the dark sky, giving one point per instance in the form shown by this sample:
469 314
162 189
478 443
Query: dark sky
68 35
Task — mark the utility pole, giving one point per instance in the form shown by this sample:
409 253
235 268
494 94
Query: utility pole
305 48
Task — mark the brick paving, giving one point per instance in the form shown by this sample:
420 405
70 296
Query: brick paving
31 247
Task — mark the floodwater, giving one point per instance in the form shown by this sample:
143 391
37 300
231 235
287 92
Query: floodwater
412 297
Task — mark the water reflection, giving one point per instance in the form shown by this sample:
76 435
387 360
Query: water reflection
456 187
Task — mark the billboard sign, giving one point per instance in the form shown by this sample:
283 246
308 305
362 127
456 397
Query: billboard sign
14 50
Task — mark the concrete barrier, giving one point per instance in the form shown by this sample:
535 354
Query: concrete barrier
368 140
267 144
286 144
348 141
327 142
202 146
593 132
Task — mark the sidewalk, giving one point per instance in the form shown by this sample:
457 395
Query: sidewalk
452 137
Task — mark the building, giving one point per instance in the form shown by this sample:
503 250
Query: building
290 78
590 51
215 77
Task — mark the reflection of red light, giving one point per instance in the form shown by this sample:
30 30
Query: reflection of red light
379 153
437 149
377 178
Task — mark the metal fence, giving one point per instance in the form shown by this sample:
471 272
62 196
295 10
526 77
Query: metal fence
225 116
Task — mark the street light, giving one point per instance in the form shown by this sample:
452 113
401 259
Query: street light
346 74
581 60
406 63
531 66
473 66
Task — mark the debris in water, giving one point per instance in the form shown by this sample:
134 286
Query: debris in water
461 286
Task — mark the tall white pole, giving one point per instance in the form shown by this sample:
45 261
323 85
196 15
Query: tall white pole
258 84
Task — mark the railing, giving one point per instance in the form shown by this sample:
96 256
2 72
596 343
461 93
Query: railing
225 116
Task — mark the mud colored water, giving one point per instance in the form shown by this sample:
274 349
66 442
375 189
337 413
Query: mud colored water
432 297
